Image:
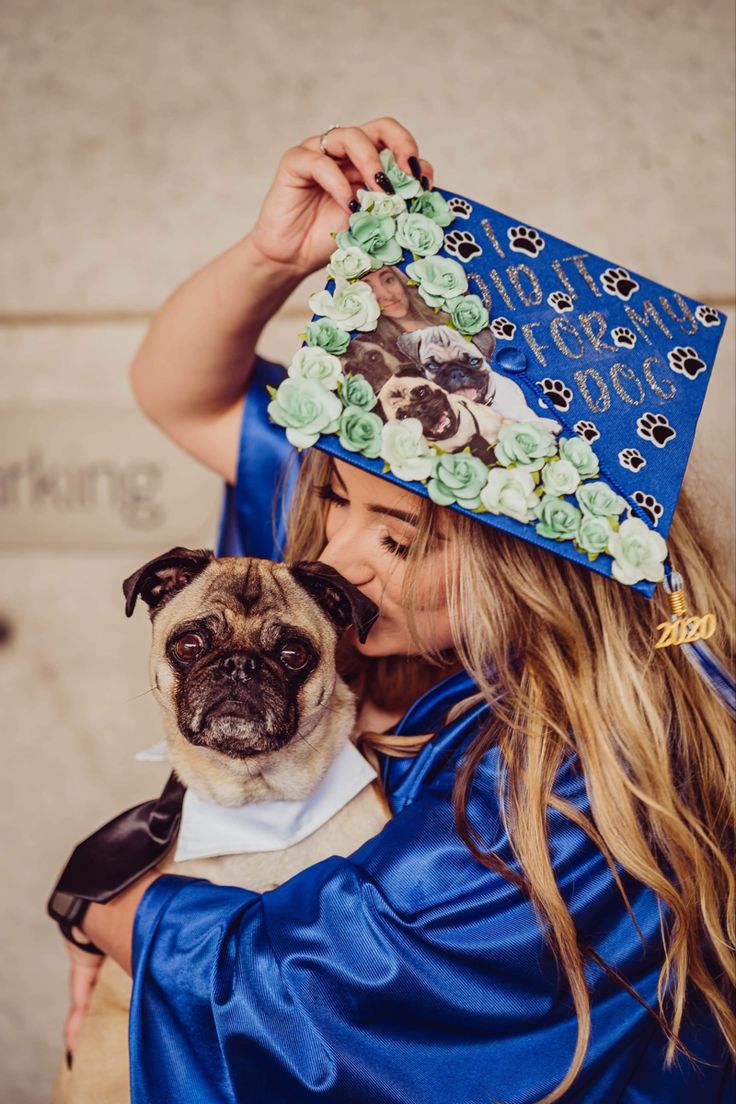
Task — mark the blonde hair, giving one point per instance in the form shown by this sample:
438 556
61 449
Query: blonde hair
574 671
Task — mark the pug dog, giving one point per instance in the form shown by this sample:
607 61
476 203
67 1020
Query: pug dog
243 667
459 366
451 422
372 360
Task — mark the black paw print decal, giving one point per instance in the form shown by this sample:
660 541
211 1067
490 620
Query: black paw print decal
503 327
618 282
558 394
707 316
685 360
623 337
631 459
650 506
655 428
560 301
459 207
587 430
523 239
462 244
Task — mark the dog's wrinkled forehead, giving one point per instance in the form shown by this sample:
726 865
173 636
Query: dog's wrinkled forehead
245 597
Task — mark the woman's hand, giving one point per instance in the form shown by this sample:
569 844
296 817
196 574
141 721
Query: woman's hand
310 196
83 973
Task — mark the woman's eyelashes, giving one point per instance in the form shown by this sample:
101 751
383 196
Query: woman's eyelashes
325 491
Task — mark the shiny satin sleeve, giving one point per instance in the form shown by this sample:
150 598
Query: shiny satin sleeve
405 974
252 522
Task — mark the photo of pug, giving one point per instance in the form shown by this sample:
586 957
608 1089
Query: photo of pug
449 421
371 359
243 667
460 367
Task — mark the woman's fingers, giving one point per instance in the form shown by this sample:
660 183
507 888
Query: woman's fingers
352 144
387 133
82 980
306 165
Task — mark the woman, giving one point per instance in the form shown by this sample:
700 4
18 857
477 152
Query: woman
548 915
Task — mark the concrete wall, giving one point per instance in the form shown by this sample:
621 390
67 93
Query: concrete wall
138 140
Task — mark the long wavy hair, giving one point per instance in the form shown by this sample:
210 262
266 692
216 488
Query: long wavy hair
574 671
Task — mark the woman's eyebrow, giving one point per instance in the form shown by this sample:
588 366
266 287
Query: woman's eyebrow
400 514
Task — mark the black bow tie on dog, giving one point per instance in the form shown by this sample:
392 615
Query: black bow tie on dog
114 856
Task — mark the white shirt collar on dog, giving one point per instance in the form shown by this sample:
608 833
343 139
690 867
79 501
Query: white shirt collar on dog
207 829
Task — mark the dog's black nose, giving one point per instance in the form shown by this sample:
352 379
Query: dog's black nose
239 668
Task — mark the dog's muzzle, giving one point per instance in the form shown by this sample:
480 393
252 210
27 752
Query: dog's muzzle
237 668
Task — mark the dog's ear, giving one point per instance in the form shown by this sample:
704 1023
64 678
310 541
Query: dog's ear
408 344
343 603
484 342
160 579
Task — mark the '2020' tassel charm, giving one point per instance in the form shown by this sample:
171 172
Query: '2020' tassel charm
690 633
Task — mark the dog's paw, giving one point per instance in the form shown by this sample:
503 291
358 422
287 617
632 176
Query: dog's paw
686 361
631 459
503 328
557 392
707 316
462 244
587 430
623 337
655 428
561 302
524 239
618 282
459 207
650 506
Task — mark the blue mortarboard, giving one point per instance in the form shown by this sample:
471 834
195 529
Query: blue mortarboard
500 371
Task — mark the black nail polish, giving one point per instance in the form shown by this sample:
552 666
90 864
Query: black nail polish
425 183
68 1059
354 205
415 167
383 182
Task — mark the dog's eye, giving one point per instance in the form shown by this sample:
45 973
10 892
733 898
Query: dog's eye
474 362
422 392
294 655
188 647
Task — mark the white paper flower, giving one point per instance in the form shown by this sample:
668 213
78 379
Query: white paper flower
349 264
311 362
380 204
405 450
560 477
637 553
510 491
351 306
305 409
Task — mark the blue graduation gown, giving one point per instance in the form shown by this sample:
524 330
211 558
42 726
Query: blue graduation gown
406 973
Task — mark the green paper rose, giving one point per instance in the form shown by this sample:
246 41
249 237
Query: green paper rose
439 279
380 204
526 444
311 362
356 391
560 477
374 236
457 478
510 491
600 500
305 409
325 334
468 314
434 206
360 432
405 450
350 306
580 455
558 519
404 184
419 235
637 553
350 263
593 535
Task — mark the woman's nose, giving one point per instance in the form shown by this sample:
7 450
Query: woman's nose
346 552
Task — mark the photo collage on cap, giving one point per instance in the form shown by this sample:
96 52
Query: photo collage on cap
504 372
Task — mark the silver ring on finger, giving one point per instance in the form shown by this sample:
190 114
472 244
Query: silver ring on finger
322 147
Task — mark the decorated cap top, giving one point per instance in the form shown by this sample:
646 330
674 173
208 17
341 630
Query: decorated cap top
504 373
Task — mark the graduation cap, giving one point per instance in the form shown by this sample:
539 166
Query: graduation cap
502 372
